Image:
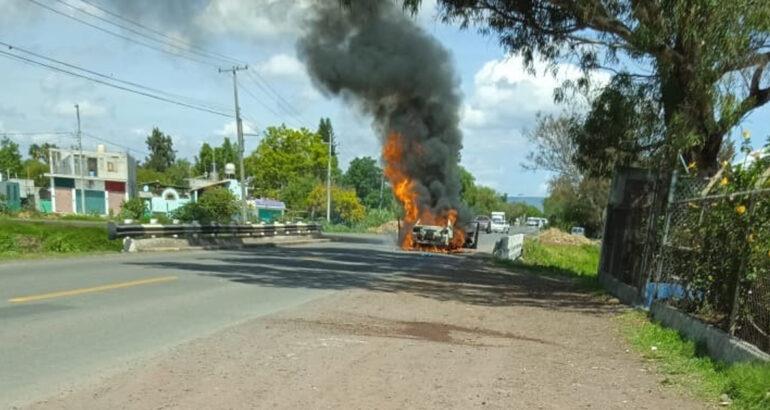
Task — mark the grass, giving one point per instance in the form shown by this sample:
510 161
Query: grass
680 360
578 262
747 385
30 239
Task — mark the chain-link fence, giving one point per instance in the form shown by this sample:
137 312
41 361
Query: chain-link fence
713 258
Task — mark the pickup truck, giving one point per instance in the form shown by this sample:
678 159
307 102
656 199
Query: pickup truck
498 223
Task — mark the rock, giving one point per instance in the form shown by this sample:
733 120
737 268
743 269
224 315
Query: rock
724 400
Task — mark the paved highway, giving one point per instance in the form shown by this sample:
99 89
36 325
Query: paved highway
66 322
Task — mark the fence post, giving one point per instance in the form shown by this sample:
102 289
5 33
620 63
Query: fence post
739 275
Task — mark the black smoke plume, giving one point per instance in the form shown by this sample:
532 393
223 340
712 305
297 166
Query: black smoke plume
376 58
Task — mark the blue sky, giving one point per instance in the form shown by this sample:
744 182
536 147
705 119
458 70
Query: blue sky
500 99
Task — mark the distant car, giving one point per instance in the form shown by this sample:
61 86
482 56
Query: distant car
484 222
499 224
578 230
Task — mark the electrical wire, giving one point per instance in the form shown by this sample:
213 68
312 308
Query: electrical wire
184 44
109 84
110 77
112 33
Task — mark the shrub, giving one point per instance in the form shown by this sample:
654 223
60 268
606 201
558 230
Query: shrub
134 208
217 205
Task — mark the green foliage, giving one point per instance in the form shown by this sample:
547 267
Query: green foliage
36 170
577 262
296 192
161 148
40 152
728 242
22 239
326 131
10 158
217 205
678 358
365 177
134 208
227 153
623 128
346 207
283 155
204 162
694 57
573 202
175 175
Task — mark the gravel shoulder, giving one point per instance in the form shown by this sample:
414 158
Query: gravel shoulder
471 336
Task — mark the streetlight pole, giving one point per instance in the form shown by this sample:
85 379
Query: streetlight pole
81 165
239 127
329 180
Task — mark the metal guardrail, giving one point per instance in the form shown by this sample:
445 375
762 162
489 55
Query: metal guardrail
138 231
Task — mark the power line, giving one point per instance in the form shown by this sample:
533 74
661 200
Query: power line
109 77
119 87
184 44
183 49
262 103
21 134
133 40
284 105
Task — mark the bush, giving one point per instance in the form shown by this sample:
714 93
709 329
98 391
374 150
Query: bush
134 208
217 205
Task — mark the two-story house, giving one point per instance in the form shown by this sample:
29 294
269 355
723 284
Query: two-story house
107 179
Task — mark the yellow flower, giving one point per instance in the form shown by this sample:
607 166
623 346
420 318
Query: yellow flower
724 181
740 209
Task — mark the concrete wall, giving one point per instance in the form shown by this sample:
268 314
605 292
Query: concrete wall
719 344
115 201
63 199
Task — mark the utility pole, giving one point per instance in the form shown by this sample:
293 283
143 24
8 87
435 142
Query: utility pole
329 180
81 165
239 127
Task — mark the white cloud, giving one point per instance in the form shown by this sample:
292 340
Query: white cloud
282 65
254 19
229 129
87 109
505 100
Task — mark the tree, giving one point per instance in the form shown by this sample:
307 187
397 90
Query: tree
10 158
554 145
326 132
204 162
283 155
346 207
40 152
36 170
162 154
577 203
227 153
365 177
702 62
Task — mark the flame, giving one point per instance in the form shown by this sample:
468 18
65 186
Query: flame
405 191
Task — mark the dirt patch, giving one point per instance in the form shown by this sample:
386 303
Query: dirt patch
415 330
559 237
29 243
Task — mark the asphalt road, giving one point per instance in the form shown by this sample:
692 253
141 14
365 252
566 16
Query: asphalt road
66 322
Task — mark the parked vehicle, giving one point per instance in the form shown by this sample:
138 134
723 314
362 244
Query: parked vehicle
578 230
537 222
499 224
484 222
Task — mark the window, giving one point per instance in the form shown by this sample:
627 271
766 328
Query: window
110 166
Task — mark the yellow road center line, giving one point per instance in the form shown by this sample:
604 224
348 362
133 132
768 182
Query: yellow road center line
75 292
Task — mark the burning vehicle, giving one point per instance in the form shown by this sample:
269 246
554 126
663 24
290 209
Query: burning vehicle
441 238
380 62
